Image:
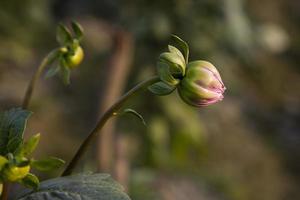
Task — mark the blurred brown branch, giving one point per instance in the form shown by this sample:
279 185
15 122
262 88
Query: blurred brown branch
119 67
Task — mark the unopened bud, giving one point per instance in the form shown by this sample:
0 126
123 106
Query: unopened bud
202 84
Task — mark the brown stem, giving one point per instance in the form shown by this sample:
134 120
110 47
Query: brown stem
109 113
5 189
30 88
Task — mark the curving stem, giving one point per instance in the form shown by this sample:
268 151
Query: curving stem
105 117
29 91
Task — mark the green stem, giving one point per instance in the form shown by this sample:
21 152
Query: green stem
30 88
105 117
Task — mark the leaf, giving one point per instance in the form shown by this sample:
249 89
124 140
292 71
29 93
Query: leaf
165 74
12 126
161 88
135 113
29 146
63 35
3 162
47 164
78 30
30 181
85 186
182 46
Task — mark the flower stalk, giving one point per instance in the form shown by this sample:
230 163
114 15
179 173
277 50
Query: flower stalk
30 88
115 108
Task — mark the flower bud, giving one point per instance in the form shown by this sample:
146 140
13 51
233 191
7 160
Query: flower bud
76 58
14 173
202 84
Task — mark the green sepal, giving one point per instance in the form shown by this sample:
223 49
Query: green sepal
176 51
52 56
65 72
175 63
165 74
29 146
63 35
30 181
21 161
47 164
135 113
182 46
161 88
78 30
52 71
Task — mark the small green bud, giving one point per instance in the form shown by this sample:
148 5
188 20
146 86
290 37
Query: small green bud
13 173
73 60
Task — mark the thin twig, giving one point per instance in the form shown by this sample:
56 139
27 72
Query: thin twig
109 113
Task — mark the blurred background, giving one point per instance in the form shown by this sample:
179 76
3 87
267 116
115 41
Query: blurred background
246 147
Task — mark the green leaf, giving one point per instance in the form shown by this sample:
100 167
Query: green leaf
161 88
78 30
65 72
29 146
30 181
165 74
182 46
85 186
63 35
47 164
12 126
3 162
135 113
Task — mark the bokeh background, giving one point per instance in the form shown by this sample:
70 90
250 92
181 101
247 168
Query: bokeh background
246 147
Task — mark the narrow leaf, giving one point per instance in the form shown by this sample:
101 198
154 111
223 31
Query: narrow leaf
30 181
135 113
161 88
47 164
182 46
64 72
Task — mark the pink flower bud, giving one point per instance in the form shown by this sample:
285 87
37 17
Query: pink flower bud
202 84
